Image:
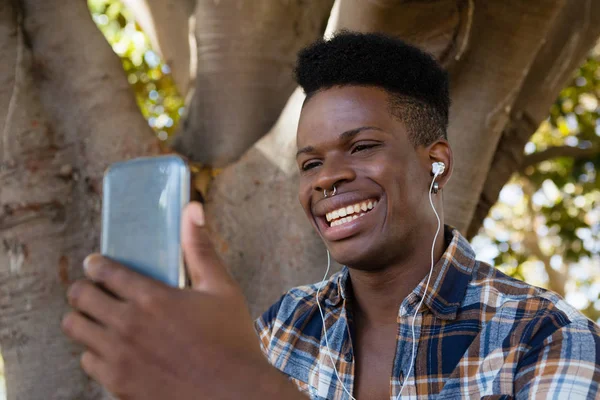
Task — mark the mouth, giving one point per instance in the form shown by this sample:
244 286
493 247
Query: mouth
349 219
346 214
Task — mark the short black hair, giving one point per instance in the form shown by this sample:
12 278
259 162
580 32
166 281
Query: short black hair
416 82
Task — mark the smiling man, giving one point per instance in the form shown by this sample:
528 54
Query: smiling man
411 315
373 123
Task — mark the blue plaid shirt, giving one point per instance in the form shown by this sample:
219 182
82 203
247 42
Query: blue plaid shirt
479 334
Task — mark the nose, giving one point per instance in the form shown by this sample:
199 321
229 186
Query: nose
333 172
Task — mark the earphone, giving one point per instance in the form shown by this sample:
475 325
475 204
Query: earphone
437 168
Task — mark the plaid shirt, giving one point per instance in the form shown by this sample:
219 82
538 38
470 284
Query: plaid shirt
479 333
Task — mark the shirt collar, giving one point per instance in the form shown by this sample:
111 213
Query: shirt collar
336 289
447 287
450 278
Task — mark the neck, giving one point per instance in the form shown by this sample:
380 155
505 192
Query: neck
377 295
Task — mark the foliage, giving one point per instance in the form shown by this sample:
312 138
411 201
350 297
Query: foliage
546 226
149 77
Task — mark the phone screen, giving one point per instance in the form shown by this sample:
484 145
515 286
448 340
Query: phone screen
141 215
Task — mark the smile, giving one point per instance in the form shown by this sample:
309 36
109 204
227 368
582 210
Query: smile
350 212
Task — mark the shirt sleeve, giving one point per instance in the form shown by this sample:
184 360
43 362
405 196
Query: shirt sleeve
564 365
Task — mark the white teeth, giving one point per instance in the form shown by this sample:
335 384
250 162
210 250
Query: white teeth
349 213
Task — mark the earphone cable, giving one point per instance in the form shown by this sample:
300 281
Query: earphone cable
412 357
325 329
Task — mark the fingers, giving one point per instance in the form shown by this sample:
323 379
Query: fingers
206 269
89 333
122 281
93 301
101 371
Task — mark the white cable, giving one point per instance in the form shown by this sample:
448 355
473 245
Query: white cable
325 329
412 357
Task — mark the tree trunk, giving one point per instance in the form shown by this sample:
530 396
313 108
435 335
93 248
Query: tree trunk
66 112
260 229
246 53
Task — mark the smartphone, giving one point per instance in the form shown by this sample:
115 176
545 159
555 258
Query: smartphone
142 203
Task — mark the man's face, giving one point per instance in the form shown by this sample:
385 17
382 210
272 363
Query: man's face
348 138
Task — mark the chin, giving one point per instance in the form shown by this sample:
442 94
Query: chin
356 256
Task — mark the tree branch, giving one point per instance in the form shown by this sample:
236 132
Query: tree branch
556 278
559 151
4 149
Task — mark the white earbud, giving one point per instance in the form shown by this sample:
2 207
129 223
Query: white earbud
438 168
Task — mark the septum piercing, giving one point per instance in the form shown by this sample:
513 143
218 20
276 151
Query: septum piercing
334 191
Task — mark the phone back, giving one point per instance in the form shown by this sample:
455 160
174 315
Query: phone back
141 215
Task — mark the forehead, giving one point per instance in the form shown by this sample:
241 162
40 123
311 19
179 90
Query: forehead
340 109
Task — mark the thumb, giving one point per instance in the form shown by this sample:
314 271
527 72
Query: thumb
204 266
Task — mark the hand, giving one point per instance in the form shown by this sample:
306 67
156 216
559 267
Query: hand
151 341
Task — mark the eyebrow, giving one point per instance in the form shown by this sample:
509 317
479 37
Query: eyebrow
344 137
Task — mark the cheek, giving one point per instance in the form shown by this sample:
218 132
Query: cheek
304 195
405 194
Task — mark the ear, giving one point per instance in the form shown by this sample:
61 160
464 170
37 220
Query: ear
440 151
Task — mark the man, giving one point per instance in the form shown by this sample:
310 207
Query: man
371 137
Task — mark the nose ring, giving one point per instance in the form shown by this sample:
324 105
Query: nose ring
333 192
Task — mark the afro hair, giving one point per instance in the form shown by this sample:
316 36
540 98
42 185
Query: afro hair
417 84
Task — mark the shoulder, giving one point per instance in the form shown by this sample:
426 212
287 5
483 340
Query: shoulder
533 312
296 312
290 330
561 354
291 305
497 290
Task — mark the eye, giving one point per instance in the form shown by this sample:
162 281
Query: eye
310 165
363 147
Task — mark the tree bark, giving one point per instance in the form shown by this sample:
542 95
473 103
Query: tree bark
66 112
260 229
246 53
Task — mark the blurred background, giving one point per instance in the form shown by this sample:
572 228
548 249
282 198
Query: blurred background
545 228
